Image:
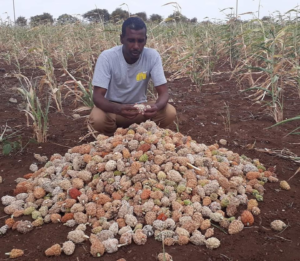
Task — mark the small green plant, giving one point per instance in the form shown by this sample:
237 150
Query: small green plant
12 142
8 145
295 131
35 110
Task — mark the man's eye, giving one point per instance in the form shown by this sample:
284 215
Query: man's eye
141 40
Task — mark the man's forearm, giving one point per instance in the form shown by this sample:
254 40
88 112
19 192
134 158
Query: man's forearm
105 105
162 101
163 96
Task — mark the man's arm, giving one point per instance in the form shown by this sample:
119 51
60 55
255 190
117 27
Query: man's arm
163 96
125 110
161 102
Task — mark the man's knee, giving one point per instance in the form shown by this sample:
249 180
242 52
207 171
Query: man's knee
102 122
95 119
167 116
171 112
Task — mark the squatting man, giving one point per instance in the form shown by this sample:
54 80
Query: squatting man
121 80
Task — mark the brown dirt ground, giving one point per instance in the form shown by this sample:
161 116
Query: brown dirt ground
200 116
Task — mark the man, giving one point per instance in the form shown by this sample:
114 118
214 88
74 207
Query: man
120 82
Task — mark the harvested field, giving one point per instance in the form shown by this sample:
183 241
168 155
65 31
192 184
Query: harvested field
211 109
199 116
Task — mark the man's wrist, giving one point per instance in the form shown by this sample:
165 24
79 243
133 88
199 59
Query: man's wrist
160 105
116 108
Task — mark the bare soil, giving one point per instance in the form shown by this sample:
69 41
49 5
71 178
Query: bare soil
201 115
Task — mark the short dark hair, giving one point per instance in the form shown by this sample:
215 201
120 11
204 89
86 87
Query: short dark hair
134 23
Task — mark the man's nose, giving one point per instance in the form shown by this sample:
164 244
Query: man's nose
136 45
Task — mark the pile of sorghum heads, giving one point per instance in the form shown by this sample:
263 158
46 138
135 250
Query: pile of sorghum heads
144 181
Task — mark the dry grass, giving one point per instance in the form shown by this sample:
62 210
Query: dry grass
263 55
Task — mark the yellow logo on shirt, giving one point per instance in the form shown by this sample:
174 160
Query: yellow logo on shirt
141 76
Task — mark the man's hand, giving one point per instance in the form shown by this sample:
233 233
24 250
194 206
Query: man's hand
128 111
151 112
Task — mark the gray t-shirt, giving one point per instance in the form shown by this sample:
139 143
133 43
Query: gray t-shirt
127 83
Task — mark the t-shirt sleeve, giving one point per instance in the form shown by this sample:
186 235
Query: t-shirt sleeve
157 72
102 73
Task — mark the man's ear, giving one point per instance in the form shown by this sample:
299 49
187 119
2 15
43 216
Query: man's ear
121 38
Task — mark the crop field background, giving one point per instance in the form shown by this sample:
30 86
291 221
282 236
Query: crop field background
232 80
262 54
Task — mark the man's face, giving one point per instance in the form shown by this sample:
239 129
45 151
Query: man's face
133 44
